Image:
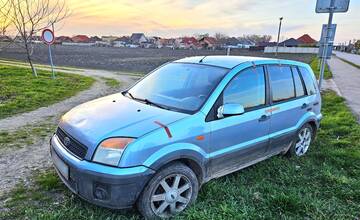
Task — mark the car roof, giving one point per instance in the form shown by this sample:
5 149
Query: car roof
223 61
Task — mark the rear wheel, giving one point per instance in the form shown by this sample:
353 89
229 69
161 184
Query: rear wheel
169 192
302 141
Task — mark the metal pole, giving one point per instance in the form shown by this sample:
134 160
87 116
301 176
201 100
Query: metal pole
324 54
51 62
278 37
228 51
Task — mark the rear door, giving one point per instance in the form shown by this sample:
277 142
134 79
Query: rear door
289 104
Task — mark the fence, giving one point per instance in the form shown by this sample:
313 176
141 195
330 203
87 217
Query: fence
314 50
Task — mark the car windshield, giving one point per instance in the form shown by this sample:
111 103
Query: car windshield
181 87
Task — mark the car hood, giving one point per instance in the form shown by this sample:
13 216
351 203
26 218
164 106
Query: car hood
113 116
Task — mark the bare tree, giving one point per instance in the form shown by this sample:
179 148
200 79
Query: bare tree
4 18
29 17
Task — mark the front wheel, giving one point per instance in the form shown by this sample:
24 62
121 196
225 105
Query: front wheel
169 192
302 141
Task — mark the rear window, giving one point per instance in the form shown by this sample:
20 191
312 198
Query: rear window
308 80
281 82
299 88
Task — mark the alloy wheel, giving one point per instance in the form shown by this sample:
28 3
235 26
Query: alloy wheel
171 196
303 143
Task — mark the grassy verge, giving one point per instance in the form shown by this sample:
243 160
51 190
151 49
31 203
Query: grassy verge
21 92
113 83
351 63
324 184
315 64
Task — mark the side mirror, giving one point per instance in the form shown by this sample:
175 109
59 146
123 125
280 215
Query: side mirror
230 109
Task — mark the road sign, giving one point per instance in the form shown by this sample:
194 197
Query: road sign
47 36
324 6
325 52
328 33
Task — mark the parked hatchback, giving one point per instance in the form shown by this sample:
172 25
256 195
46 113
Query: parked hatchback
183 124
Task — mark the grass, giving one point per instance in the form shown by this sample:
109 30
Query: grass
325 184
315 64
351 63
113 83
26 135
21 92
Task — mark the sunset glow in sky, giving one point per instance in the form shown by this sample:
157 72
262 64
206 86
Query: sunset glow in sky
171 18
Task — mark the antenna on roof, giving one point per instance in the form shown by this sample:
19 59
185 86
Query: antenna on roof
200 61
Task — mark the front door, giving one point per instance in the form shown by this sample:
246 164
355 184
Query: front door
240 139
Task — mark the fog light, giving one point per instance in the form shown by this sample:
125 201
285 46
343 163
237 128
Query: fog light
100 193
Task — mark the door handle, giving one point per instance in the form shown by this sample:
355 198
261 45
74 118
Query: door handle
264 118
304 105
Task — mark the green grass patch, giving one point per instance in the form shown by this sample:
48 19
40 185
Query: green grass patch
21 92
113 83
351 63
324 184
26 135
315 65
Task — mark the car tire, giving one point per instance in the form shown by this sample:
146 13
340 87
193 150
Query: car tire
302 141
170 191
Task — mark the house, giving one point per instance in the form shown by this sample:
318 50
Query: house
80 39
138 38
306 40
208 42
121 41
95 39
230 42
108 39
291 42
4 38
61 39
245 43
188 43
261 46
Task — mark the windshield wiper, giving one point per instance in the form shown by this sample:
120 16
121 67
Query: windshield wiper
128 93
146 101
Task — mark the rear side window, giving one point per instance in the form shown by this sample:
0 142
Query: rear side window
281 82
308 80
299 88
247 88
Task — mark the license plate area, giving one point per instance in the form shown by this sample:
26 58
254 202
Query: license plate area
60 165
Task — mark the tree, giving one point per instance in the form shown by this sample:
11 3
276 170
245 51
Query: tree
220 36
4 19
258 38
357 45
29 17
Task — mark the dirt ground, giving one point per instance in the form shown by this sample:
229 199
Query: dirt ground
123 59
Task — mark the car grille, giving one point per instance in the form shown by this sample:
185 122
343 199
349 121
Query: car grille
72 145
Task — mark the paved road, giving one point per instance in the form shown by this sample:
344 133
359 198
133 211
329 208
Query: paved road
354 58
347 79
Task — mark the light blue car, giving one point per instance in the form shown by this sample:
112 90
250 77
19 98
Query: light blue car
183 124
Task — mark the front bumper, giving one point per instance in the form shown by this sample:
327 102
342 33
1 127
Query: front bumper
102 185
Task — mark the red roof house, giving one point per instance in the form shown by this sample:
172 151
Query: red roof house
208 42
189 42
306 40
80 39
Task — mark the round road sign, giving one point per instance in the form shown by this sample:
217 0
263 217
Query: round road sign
48 36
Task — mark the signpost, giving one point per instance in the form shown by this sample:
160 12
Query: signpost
328 33
48 38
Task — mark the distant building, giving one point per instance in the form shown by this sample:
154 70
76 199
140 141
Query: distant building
61 39
188 43
4 38
208 42
230 42
245 43
108 39
121 41
306 40
80 39
138 38
291 42
95 39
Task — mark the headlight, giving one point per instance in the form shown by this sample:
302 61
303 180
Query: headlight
110 150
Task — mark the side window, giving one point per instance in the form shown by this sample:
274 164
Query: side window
282 83
247 88
308 80
299 88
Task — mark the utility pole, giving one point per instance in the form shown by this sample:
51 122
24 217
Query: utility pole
278 37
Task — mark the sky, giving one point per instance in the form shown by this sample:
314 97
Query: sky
173 18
